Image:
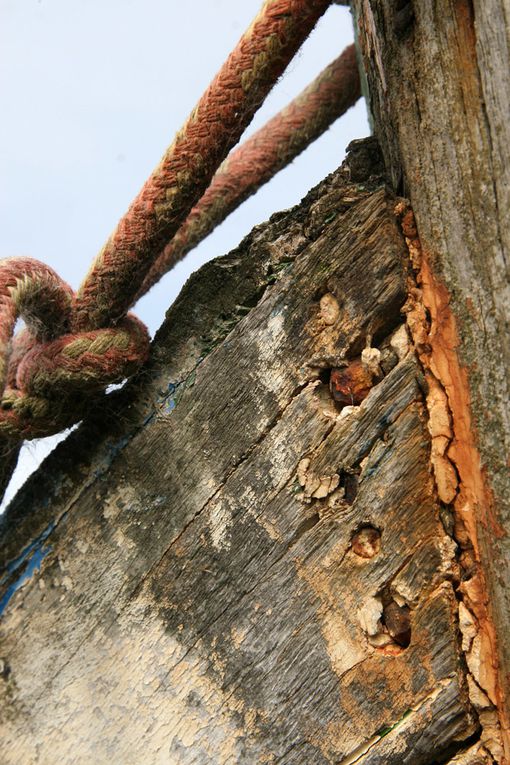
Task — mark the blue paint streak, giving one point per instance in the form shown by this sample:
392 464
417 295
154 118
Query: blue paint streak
33 565
27 552
166 401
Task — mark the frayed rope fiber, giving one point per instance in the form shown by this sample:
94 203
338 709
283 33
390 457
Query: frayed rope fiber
74 345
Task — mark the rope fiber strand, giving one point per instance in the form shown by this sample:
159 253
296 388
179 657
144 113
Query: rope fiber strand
74 345
45 367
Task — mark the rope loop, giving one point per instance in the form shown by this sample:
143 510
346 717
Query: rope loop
34 292
47 373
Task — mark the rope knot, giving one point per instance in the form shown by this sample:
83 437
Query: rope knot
48 370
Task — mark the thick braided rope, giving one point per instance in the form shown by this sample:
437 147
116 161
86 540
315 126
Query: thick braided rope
271 148
34 291
85 362
213 128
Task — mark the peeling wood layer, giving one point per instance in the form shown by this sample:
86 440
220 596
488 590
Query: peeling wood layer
232 565
457 471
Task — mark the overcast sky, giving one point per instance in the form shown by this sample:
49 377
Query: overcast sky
92 92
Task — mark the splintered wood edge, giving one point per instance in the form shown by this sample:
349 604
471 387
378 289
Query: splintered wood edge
459 478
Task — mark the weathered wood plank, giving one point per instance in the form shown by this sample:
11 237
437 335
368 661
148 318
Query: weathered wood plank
231 568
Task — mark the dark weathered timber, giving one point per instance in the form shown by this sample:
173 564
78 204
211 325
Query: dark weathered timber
439 92
185 580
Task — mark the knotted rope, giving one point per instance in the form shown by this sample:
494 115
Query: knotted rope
45 368
74 345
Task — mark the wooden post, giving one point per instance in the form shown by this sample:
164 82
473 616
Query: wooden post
439 91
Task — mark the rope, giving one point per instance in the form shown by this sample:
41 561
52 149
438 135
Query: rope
271 148
213 128
45 367
74 345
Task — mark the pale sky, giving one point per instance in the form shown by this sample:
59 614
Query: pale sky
92 92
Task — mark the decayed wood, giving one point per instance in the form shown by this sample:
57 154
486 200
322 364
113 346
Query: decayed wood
439 90
223 565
